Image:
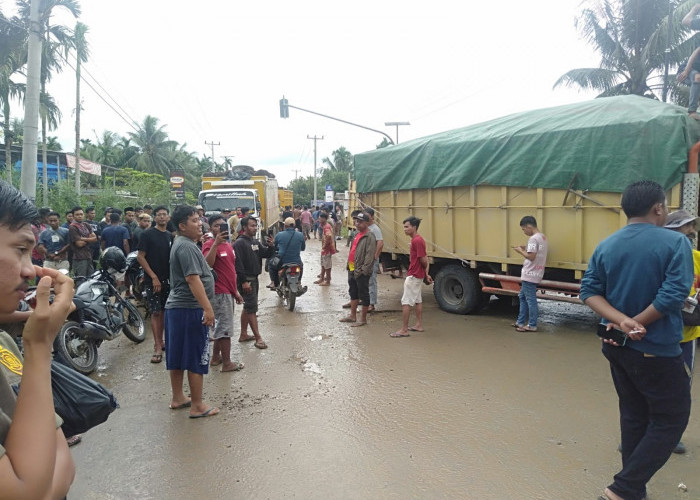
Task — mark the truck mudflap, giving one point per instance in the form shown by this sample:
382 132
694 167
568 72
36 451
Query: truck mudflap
546 289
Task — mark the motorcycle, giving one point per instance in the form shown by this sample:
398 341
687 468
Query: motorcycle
101 313
136 276
290 284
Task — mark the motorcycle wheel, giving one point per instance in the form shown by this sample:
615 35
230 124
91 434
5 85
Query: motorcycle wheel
291 301
79 353
135 327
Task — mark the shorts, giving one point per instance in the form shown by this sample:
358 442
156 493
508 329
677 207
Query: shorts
250 300
412 291
60 265
186 341
327 261
359 288
156 301
223 313
82 267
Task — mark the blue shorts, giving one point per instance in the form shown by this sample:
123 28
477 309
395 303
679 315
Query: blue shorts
186 341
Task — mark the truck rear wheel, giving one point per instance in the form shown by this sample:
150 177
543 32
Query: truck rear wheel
457 290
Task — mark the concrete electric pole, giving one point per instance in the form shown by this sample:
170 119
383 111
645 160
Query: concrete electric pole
212 144
315 180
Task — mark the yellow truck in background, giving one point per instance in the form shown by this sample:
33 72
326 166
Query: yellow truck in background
258 193
566 166
286 198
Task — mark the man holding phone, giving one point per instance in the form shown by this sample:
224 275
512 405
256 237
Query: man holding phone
218 253
638 280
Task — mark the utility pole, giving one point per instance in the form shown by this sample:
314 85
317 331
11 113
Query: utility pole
315 180
396 124
296 173
31 104
212 144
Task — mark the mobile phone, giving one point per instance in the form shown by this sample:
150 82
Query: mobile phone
269 233
223 227
617 336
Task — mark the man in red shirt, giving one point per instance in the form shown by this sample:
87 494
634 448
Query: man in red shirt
218 253
416 275
327 250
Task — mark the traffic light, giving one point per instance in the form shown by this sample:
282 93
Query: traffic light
284 108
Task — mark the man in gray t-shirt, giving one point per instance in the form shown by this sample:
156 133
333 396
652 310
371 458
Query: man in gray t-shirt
374 229
188 313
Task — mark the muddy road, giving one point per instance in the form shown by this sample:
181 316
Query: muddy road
469 409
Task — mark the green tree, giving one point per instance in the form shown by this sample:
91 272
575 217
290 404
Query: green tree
303 188
630 37
385 143
342 160
155 151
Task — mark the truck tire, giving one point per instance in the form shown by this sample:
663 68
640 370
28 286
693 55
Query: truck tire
457 290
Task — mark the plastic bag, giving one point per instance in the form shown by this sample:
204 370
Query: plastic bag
81 402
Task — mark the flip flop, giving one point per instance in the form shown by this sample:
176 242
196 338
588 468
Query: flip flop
209 413
186 404
247 339
157 357
260 344
525 329
414 329
347 320
515 325
397 335
73 440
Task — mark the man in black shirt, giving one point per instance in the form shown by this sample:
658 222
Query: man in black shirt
249 254
154 257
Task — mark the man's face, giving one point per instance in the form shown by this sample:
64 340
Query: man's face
90 215
144 223
162 218
69 217
408 229
16 267
200 212
361 225
78 215
528 230
192 228
54 222
688 229
129 216
216 226
251 228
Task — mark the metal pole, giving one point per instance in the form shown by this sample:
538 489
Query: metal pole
31 104
397 124
315 179
667 52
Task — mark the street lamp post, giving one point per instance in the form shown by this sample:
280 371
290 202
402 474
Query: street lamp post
396 124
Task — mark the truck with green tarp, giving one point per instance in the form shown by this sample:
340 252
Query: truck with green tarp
566 166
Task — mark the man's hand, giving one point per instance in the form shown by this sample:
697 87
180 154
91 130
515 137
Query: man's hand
632 328
428 279
157 286
238 297
220 238
269 241
683 74
47 319
208 317
246 288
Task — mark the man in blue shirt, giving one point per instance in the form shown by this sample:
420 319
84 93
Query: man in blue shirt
116 235
289 244
638 280
54 243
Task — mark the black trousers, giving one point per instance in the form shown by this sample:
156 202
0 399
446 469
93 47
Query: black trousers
654 398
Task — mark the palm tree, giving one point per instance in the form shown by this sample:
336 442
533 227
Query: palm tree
156 151
342 160
12 58
631 38
81 55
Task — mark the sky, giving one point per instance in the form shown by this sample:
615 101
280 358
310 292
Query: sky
214 71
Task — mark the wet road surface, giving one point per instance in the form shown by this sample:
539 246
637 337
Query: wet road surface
469 409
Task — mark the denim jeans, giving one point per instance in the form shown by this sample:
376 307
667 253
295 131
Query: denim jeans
373 283
528 304
654 400
694 91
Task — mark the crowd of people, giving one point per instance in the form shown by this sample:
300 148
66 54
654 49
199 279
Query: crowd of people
198 268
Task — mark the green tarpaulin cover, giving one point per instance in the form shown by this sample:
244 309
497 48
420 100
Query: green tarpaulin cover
607 143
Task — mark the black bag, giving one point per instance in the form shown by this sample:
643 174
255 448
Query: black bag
274 262
81 402
693 318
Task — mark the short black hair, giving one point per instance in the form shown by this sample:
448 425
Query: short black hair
136 209
113 217
54 214
246 220
159 208
90 209
370 211
528 220
214 218
640 196
181 214
412 220
323 214
16 210
245 210
44 212
76 208
69 211
128 209
147 207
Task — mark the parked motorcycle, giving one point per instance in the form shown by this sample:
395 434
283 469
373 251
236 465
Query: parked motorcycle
290 284
136 276
101 313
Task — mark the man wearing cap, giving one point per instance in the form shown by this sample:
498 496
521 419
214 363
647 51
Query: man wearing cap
360 265
684 223
289 244
205 222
